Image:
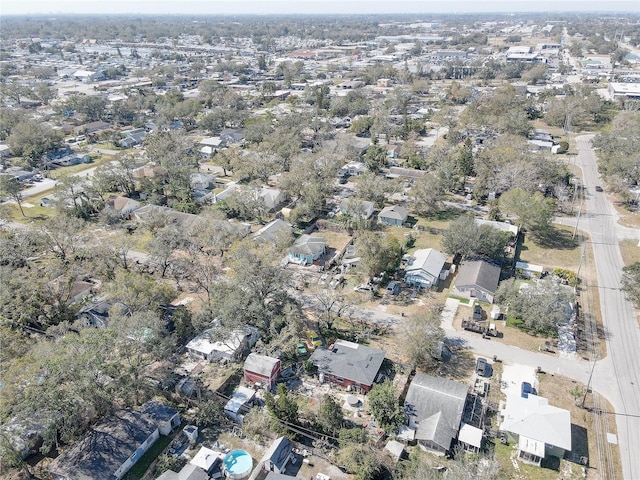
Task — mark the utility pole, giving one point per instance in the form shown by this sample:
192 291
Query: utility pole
584 398
575 230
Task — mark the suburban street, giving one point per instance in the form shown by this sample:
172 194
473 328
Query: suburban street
616 376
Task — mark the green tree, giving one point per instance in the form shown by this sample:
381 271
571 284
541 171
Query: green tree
10 187
384 406
542 306
534 212
376 188
375 158
466 238
30 140
631 282
378 253
361 460
282 408
330 415
140 292
426 193
423 333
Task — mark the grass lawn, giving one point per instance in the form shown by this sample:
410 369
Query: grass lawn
559 251
630 251
150 456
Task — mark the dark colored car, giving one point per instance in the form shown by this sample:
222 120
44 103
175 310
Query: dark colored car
481 366
527 389
598 188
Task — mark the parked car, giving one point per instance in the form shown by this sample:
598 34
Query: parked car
363 288
323 278
527 389
314 338
302 348
337 280
481 367
477 312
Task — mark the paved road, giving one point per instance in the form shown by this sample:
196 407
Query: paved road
617 376
39 188
576 369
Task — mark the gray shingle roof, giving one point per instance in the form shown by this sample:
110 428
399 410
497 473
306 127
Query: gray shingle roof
396 212
308 245
105 447
349 360
437 404
481 273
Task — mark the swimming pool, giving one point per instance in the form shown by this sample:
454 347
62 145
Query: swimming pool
237 465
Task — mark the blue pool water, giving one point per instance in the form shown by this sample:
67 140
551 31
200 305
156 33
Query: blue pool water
238 464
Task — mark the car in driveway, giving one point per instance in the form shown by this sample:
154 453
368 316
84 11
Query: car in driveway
527 389
482 367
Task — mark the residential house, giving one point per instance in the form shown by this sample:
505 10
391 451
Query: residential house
124 206
540 429
239 404
230 188
202 181
149 171
357 208
95 314
210 145
165 417
348 364
232 135
132 137
307 249
188 472
502 226
433 409
92 128
477 279
261 369
353 169
394 215
272 197
110 448
424 267
276 458
213 345
274 231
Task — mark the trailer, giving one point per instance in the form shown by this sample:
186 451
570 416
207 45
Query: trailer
480 327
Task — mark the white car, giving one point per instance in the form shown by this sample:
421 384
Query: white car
323 278
363 288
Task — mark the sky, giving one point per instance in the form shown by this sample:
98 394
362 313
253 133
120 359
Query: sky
209 7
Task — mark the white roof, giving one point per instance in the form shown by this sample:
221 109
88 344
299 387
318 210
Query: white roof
204 343
426 263
535 419
205 458
502 226
211 141
470 435
260 364
530 267
532 446
241 396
